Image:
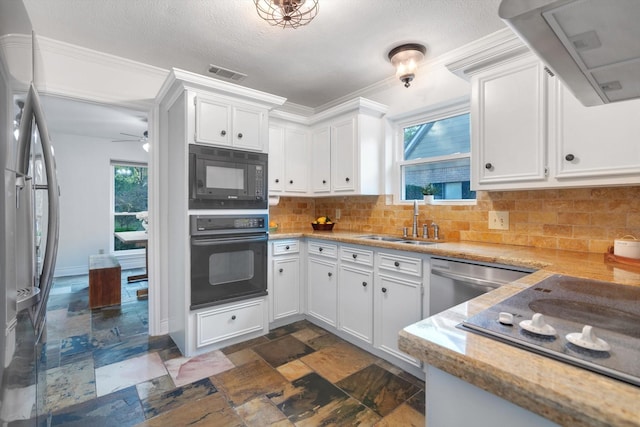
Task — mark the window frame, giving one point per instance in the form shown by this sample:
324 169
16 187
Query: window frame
112 212
433 113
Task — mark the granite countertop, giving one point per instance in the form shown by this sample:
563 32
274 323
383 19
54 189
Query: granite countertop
563 393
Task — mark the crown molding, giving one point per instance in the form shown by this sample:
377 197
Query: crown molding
182 78
496 47
359 104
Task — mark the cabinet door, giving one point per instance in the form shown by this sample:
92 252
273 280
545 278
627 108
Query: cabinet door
286 287
213 121
397 305
321 160
508 124
296 161
355 299
276 159
247 129
343 155
596 141
322 288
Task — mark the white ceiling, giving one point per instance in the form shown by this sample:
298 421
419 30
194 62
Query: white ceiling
343 50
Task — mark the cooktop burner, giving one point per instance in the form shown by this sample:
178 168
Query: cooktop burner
588 323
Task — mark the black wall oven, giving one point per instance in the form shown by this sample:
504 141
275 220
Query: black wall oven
228 258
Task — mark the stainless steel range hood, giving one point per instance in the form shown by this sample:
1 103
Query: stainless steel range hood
592 45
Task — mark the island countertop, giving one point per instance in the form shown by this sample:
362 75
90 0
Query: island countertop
563 393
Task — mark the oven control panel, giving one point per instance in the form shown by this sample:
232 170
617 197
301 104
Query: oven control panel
228 224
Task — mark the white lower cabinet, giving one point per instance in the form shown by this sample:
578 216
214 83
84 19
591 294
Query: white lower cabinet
398 304
397 298
285 276
229 321
286 287
322 289
355 298
374 295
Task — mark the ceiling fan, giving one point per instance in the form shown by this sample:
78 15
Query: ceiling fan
138 138
144 139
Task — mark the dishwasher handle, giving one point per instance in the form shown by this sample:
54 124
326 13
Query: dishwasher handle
473 281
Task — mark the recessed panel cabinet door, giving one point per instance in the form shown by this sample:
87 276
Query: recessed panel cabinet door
598 141
296 163
343 155
247 129
213 121
356 302
322 287
397 305
508 124
276 159
286 287
321 160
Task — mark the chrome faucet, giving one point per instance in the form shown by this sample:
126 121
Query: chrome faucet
414 234
436 230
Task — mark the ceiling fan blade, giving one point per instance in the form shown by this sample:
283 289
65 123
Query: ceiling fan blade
128 134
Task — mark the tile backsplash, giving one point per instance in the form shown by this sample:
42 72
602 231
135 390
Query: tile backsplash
585 219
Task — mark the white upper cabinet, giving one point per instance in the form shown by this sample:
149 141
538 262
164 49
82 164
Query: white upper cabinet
508 123
219 122
528 131
321 160
595 142
345 149
288 159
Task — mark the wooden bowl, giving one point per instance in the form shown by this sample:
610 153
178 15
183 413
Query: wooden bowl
322 227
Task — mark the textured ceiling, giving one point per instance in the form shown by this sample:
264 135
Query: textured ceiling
340 52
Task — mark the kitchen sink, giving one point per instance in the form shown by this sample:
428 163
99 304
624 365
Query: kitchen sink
418 242
382 238
396 240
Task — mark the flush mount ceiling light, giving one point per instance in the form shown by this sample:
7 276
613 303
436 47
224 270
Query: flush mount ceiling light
287 13
406 58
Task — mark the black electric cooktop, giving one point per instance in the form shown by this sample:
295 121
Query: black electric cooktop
588 323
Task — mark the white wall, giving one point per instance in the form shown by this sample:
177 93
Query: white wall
84 173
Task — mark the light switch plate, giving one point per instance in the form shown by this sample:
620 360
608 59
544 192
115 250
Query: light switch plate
498 220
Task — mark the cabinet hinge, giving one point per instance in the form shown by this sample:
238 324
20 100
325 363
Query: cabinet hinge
195 100
549 71
546 171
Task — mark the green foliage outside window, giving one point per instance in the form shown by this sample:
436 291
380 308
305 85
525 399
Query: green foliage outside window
130 197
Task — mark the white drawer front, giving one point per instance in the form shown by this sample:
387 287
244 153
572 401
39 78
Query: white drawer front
283 247
323 249
227 322
356 255
400 264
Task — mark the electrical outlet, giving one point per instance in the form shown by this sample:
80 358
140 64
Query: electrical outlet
498 220
337 215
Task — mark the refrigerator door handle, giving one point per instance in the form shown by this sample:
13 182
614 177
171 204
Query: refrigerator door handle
33 110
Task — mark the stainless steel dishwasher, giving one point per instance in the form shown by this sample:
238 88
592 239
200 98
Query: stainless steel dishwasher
453 282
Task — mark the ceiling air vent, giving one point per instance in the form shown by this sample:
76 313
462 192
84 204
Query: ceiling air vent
225 73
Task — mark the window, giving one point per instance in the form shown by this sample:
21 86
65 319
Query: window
435 151
129 199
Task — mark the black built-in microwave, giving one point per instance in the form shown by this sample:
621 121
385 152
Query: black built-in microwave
222 178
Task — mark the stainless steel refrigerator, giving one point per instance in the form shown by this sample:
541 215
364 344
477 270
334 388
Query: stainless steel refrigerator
31 229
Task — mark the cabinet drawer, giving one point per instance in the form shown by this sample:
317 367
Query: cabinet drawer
323 249
286 247
356 255
400 264
230 321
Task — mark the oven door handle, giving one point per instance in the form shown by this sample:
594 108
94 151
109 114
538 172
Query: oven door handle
226 240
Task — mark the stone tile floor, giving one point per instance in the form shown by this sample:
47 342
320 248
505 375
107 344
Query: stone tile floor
102 369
